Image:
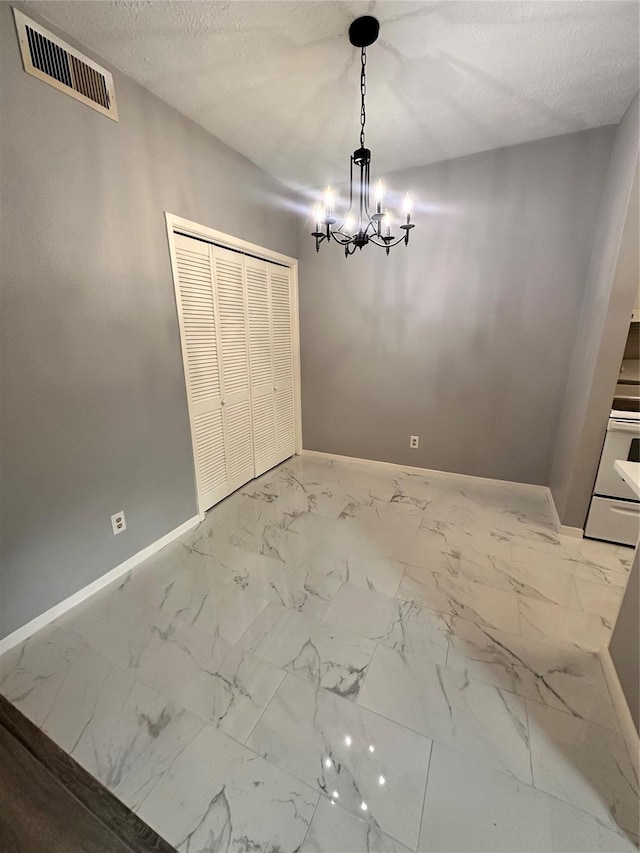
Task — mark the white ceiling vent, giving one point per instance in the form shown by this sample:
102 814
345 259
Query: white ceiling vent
50 59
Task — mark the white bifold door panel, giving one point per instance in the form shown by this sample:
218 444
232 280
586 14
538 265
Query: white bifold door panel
200 350
283 362
229 289
237 340
261 353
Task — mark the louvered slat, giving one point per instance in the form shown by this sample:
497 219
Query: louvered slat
264 432
210 455
196 296
239 443
285 424
281 319
259 325
233 328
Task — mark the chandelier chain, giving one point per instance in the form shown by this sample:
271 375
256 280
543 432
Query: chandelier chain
363 92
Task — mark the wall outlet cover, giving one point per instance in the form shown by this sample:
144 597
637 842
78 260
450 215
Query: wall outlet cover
118 523
414 441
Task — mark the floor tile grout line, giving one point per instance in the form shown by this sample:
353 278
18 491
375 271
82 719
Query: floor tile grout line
529 739
424 795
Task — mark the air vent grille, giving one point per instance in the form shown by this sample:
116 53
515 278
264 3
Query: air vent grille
47 57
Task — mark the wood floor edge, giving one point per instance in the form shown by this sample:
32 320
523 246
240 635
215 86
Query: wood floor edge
112 813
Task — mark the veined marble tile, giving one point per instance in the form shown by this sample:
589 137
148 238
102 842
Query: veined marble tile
324 654
497 608
313 469
562 626
384 539
459 536
225 557
362 611
158 758
603 563
470 808
223 610
417 633
375 513
561 557
615 558
260 627
272 540
334 830
184 588
569 680
475 565
341 749
583 764
216 795
410 630
378 483
597 598
380 574
593 573
32 673
540 583
115 623
221 684
104 717
514 519
473 717
325 499
295 586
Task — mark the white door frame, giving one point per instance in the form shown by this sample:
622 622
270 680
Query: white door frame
194 229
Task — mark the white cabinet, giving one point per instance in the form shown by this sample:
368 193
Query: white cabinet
236 328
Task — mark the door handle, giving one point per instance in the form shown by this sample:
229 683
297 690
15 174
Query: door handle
633 512
275 387
222 402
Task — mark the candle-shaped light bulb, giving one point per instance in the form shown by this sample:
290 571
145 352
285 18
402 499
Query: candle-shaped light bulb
328 202
407 208
348 226
386 224
379 196
317 215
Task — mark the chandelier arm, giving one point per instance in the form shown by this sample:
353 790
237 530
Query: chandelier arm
340 242
386 245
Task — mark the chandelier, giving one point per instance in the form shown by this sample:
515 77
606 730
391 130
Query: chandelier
360 226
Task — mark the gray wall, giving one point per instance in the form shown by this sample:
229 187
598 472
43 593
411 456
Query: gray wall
611 289
625 643
94 416
465 337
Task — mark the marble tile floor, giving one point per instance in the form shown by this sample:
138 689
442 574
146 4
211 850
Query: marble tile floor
350 658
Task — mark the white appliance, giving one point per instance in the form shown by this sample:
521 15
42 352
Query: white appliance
614 514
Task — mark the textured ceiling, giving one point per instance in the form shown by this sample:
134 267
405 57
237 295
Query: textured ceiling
278 81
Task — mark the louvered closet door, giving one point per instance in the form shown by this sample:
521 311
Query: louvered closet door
282 338
261 364
201 355
229 291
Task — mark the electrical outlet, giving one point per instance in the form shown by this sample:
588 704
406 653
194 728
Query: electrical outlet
414 441
118 523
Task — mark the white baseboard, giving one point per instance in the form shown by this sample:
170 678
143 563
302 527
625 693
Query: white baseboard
527 487
554 511
58 610
562 529
627 726
573 532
